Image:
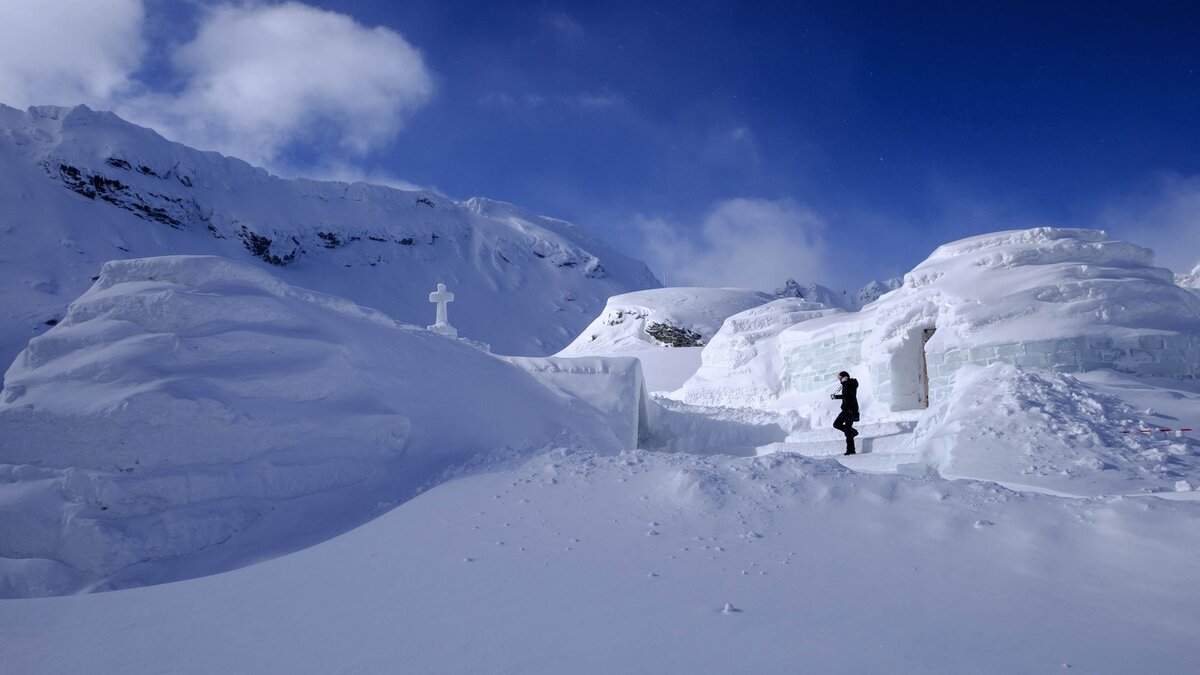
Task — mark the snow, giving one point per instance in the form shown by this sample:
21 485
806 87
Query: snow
1056 433
1069 300
1190 281
621 329
742 363
814 292
332 488
832 571
83 187
191 414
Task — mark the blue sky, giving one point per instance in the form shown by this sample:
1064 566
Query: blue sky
725 143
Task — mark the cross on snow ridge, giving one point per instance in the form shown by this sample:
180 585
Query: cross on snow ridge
441 323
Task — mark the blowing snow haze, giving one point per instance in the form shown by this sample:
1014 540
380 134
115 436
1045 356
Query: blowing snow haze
240 433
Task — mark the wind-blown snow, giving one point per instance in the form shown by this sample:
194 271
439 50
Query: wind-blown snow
190 414
83 187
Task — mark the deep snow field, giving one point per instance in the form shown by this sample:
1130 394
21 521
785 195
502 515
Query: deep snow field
575 562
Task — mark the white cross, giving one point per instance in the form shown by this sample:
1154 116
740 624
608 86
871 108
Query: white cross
441 323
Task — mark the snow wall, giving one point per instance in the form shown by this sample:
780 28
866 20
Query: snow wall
191 414
612 386
1065 300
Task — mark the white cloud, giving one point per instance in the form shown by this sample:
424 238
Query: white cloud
750 243
66 52
1165 218
256 80
260 78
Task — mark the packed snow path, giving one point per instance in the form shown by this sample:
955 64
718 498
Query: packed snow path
586 564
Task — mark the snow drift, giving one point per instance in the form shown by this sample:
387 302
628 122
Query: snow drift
189 402
1051 432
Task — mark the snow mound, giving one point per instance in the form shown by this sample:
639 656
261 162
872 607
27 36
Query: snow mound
662 317
193 413
742 364
83 187
1050 432
1036 284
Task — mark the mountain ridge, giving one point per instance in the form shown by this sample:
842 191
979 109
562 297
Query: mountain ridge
83 187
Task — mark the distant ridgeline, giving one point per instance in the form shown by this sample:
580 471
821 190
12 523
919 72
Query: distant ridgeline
83 187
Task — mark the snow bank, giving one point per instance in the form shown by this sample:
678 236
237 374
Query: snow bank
191 414
1050 432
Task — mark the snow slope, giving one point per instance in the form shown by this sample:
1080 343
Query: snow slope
83 187
585 564
192 414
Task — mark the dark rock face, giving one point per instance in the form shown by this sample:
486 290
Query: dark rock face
260 247
329 239
674 336
171 211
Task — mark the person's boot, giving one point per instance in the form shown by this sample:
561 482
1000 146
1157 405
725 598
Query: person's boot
850 448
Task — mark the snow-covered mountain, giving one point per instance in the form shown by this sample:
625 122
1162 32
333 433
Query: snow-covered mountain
82 187
1190 281
814 292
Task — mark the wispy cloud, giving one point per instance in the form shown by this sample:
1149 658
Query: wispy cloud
66 52
750 243
582 101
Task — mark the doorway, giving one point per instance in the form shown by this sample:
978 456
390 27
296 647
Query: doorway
923 369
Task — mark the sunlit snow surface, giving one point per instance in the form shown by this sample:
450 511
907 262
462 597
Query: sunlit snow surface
416 504
587 564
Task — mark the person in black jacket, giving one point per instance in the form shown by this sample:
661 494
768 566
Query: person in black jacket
849 415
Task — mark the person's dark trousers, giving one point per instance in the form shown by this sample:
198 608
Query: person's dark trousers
845 424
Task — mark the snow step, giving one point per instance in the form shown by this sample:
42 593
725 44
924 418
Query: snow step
868 430
888 438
